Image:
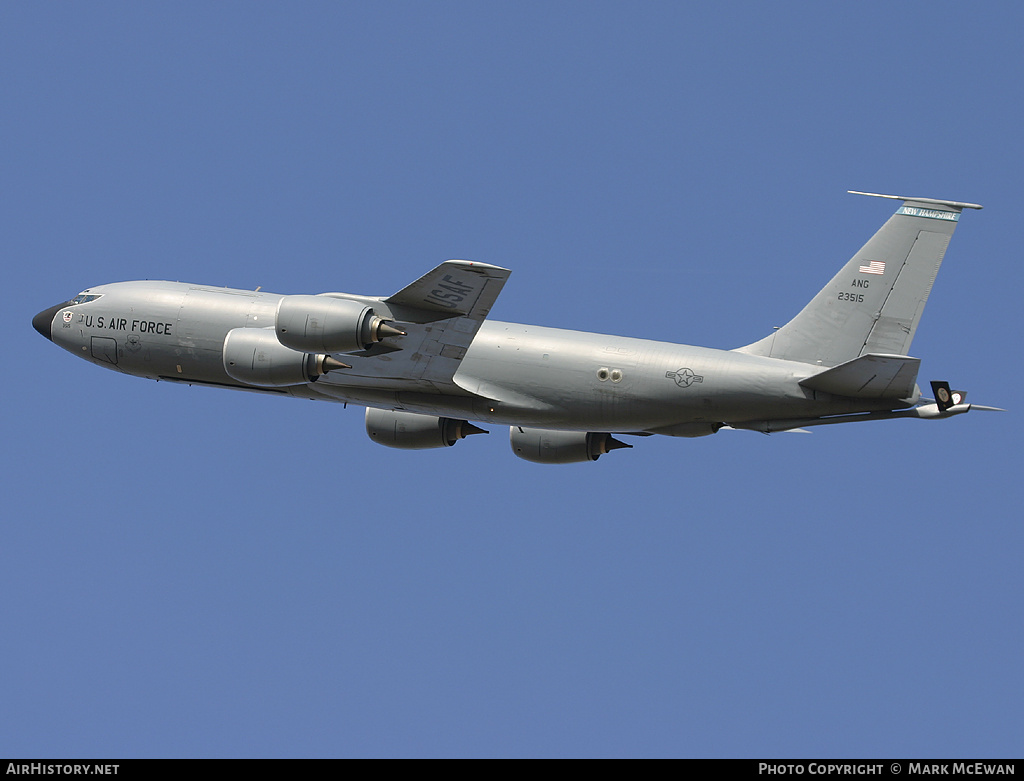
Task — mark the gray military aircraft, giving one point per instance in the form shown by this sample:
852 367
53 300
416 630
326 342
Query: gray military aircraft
425 361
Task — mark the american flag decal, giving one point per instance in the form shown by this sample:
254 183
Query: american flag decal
873 267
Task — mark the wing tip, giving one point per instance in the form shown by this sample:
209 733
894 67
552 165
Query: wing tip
474 264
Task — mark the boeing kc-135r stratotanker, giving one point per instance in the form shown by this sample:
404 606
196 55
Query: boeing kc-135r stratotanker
426 361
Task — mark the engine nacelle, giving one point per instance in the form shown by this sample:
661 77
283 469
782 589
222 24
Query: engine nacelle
321 324
411 431
560 447
255 357
688 430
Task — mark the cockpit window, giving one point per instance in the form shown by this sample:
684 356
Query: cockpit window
85 298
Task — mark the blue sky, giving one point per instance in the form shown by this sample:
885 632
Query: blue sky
194 572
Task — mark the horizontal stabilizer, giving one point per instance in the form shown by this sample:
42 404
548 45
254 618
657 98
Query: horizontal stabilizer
870 376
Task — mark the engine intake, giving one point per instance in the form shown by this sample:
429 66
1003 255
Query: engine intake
560 447
411 431
329 325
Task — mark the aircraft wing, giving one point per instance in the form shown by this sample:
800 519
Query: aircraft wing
456 288
441 313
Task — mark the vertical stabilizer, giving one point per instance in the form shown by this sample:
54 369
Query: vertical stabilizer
873 305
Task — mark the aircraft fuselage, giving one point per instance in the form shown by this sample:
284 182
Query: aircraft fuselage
511 374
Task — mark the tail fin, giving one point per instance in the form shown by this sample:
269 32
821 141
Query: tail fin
873 305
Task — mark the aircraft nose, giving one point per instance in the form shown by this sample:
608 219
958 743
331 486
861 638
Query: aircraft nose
44 320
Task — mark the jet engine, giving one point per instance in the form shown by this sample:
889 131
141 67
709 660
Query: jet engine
560 447
689 429
255 357
329 325
411 431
